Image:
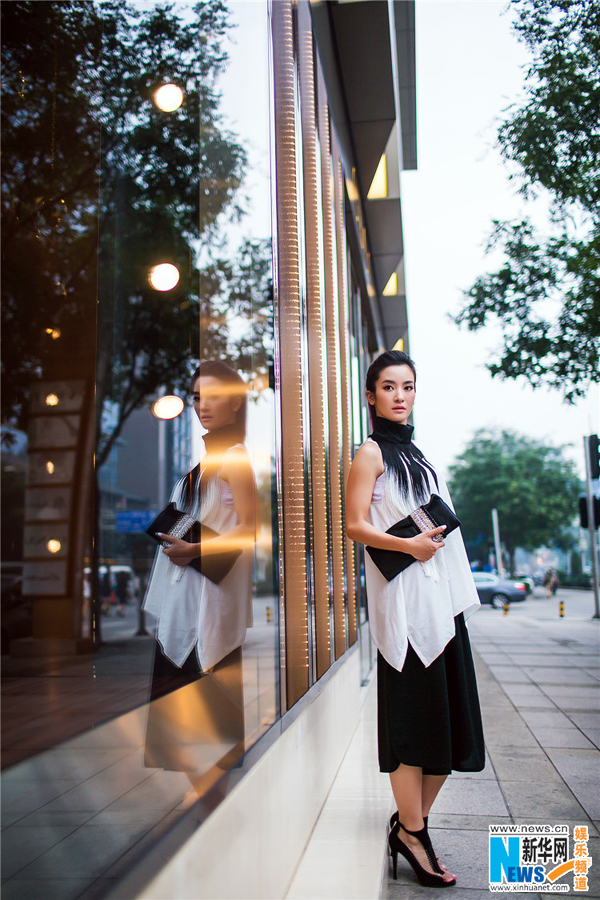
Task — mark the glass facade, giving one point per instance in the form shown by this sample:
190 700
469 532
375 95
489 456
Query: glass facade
186 309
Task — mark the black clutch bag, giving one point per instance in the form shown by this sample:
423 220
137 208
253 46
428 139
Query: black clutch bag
432 514
176 523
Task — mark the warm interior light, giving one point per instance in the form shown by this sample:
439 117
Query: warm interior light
378 189
391 288
53 332
50 467
53 546
52 400
164 277
168 97
352 190
399 345
168 407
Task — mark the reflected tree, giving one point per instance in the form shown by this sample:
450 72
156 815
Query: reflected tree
100 185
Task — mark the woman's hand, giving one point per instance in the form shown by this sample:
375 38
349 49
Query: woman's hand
179 552
424 545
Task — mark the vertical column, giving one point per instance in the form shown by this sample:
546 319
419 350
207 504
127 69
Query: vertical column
319 525
345 375
333 355
293 550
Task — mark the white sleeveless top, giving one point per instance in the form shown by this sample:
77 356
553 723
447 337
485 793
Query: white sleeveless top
420 604
192 611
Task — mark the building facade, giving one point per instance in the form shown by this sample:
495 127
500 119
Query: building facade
189 184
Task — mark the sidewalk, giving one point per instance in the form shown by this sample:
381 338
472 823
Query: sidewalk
539 682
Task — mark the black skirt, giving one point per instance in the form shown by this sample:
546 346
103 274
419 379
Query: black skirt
430 716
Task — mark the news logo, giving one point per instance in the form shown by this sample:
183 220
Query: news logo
538 857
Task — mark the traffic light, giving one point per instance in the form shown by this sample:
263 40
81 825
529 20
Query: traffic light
594 448
583 512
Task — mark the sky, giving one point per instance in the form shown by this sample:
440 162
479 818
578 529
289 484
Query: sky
469 69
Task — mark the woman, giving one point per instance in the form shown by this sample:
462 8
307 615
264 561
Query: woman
202 624
429 721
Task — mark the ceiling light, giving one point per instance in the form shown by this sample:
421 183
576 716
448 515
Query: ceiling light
378 189
168 97
168 407
391 288
164 277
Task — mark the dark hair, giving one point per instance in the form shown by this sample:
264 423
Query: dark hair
405 462
215 369
389 358
225 438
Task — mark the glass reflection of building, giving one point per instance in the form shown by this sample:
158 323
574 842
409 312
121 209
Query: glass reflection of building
271 184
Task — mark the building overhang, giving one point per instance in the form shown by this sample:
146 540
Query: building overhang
367 50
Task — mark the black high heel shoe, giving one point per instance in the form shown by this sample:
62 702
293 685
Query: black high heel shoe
428 879
395 824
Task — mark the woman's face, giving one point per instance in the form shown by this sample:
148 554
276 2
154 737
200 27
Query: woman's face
394 393
215 403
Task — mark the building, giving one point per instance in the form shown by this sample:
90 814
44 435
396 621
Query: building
308 129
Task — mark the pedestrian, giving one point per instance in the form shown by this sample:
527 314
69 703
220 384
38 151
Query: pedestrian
122 591
429 720
107 594
551 582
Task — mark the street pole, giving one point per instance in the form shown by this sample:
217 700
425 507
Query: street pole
496 527
591 527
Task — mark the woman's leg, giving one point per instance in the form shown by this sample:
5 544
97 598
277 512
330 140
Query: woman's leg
431 786
407 786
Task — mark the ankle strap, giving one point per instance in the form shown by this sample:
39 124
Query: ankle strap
422 835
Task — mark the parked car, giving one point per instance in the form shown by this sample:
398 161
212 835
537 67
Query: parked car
498 591
528 581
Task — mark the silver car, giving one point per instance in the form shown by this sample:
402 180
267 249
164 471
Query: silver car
498 591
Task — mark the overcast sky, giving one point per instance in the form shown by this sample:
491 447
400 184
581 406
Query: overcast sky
468 71
469 68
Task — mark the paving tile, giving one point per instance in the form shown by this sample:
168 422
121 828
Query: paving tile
463 822
49 889
546 802
583 764
542 660
329 870
575 698
545 718
558 675
528 696
561 737
587 792
86 852
25 797
22 845
509 674
470 797
524 764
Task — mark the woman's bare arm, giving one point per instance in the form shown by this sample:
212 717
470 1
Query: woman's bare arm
238 473
366 468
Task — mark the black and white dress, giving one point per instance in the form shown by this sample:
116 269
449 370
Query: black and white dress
428 706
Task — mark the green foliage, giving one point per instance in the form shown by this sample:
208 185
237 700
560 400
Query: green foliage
100 184
531 484
546 293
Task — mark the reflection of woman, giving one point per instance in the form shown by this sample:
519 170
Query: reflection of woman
429 721
202 625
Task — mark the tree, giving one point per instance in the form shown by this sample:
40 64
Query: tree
99 185
531 484
546 293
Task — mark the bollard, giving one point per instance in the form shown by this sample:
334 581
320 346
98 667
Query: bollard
561 609
506 608
269 616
